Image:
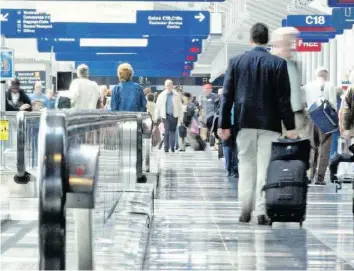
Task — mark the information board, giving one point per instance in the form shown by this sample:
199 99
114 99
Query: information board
29 23
7 64
4 130
192 57
29 78
340 3
343 18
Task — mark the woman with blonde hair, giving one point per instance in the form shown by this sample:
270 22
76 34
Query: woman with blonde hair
127 95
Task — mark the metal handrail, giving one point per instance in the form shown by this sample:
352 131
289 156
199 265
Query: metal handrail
22 176
54 181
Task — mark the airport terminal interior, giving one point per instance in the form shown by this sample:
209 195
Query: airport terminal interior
133 137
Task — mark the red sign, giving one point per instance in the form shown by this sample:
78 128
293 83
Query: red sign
308 46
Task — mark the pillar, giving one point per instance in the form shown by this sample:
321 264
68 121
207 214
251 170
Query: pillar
333 61
325 49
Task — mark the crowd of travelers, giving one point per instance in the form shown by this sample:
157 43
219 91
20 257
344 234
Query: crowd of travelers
262 98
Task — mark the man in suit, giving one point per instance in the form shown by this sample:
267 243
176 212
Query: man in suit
257 84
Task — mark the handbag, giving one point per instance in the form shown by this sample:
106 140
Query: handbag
155 136
324 116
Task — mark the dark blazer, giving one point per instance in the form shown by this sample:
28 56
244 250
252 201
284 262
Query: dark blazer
257 83
23 99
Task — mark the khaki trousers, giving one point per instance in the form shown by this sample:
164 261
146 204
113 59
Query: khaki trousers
254 150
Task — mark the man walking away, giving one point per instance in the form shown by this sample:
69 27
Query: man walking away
257 83
83 92
320 142
169 109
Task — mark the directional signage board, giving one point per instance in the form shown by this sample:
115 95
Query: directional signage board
7 64
311 23
143 72
133 57
29 78
178 45
26 23
168 65
343 18
341 3
302 46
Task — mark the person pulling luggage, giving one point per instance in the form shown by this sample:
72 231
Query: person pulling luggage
257 83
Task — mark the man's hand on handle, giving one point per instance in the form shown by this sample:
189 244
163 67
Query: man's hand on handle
224 134
292 134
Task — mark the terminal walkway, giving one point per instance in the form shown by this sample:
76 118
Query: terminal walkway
196 225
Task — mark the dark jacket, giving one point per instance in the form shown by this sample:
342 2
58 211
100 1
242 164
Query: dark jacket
23 99
257 84
128 96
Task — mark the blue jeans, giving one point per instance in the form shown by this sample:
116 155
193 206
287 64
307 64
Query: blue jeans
334 144
231 161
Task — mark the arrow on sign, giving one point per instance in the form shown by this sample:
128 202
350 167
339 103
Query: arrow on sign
200 17
4 17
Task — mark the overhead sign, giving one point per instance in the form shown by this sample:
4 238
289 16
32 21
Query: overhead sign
138 65
144 72
7 63
129 57
341 3
26 23
29 78
302 46
343 18
178 45
311 23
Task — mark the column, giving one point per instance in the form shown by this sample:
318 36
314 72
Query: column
325 49
333 61
303 67
341 55
308 67
313 65
320 59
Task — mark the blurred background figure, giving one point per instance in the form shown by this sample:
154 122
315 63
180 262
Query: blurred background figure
169 109
102 99
150 106
51 98
147 91
127 95
16 98
284 42
38 99
83 92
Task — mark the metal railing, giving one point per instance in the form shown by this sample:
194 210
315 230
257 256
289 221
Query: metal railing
27 145
82 155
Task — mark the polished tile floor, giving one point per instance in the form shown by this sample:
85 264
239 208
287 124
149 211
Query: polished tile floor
196 225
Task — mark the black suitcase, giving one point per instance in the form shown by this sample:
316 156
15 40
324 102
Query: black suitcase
201 145
286 184
286 191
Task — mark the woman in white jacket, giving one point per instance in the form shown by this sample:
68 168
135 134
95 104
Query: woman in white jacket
169 110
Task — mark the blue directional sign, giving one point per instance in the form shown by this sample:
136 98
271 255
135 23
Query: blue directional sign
311 23
340 3
7 64
134 57
26 23
343 18
177 45
29 78
143 72
139 65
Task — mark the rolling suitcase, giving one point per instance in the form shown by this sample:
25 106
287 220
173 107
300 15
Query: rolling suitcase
287 182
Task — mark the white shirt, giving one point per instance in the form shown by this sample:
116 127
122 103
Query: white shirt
83 93
313 93
15 97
